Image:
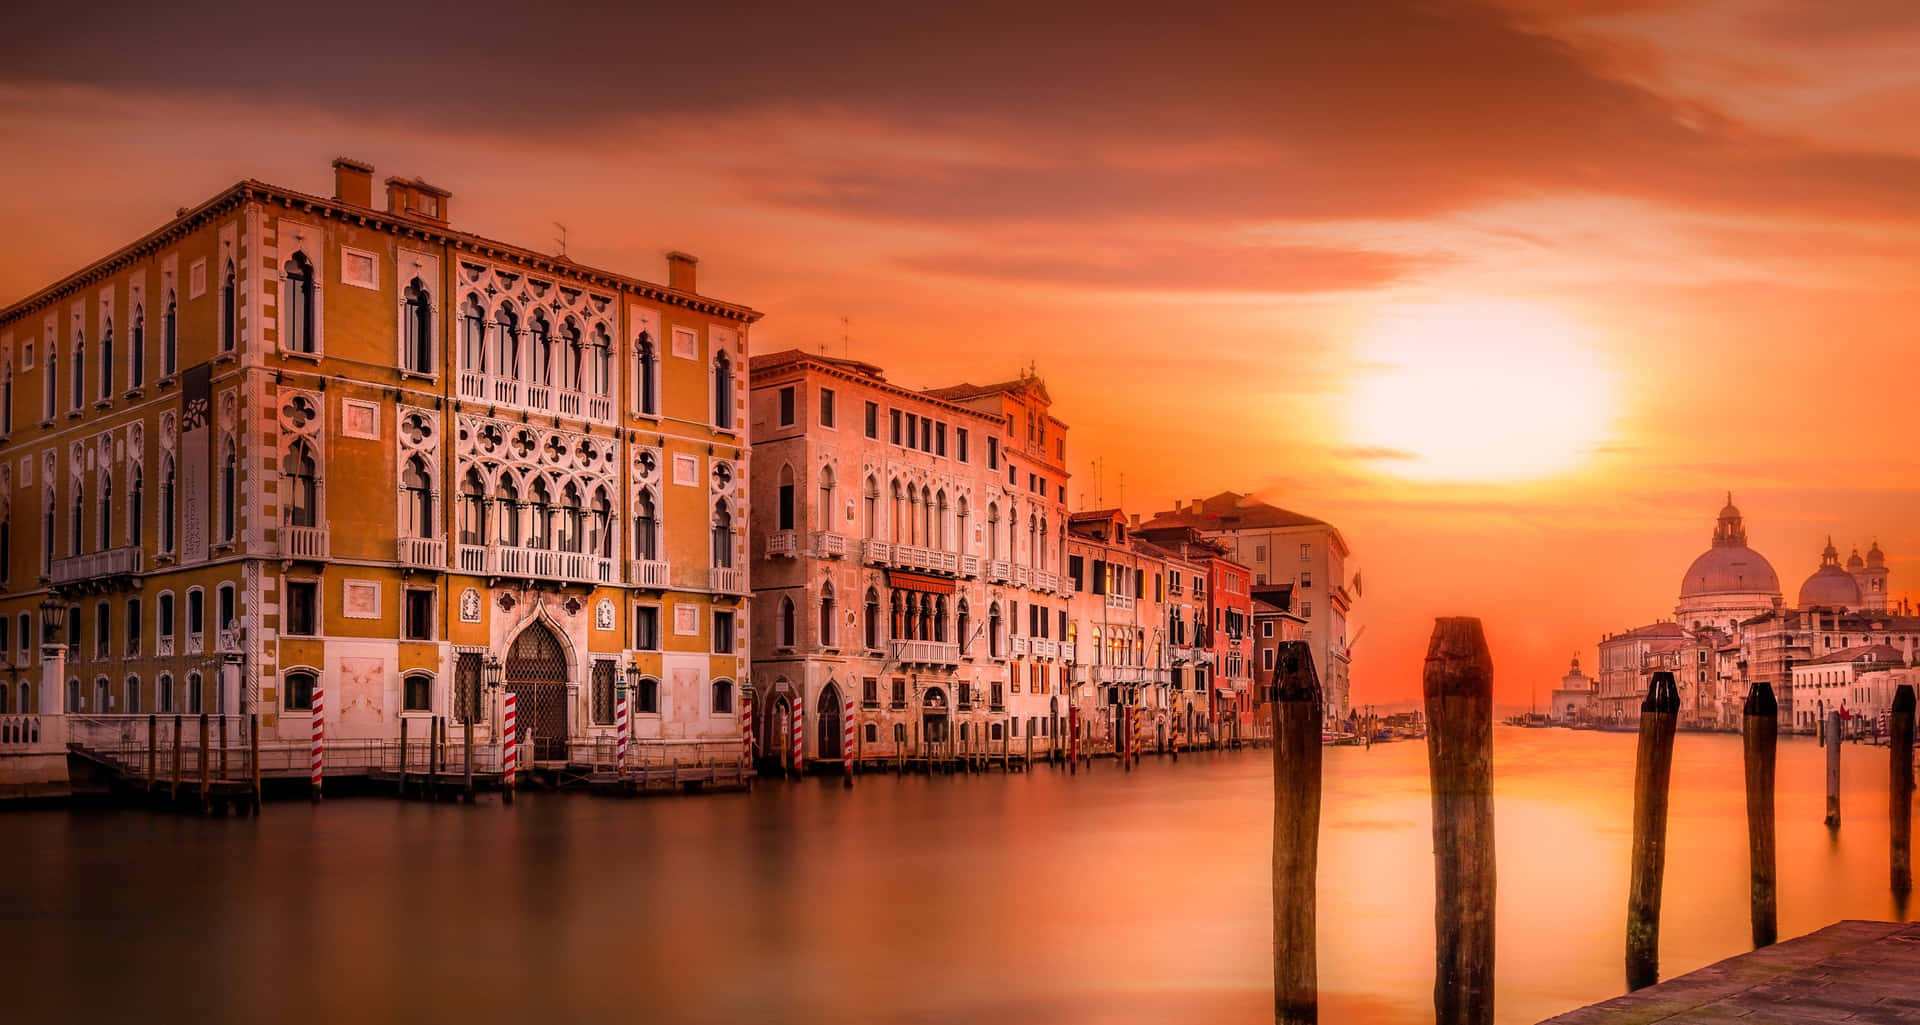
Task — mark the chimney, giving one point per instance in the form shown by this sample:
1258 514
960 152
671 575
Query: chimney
353 181
680 271
415 198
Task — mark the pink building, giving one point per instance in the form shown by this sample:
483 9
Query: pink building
1227 634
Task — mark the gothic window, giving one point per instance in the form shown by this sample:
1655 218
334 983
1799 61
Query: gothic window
993 631
540 522
646 528
79 380
168 512
166 692
572 517
6 401
962 620
473 336
509 515
229 308
939 540
506 362
137 349
46 535
786 498
539 349
78 503
722 535
298 281
602 362
827 631
826 521
416 492
870 499
303 486
473 510
873 619
600 525
646 375
416 340
784 624
170 337
993 531
723 392
899 526
574 353
106 360
103 527
960 524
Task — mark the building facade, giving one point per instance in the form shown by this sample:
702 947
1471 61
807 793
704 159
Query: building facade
291 445
907 556
1572 701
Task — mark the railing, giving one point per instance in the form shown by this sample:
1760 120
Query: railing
999 571
506 391
20 731
933 653
163 646
570 403
600 407
1045 647
423 552
783 543
969 566
928 559
878 553
1018 646
545 563
540 397
94 565
1045 581
1182 654
647 573
1123 602
302 542
471 558
473 385
1022 576
828 544
729 581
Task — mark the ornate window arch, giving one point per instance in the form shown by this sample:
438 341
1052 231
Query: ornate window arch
137 347
646 359
785 624
416 328
722 390
872 619
829 632
299 288
870 498
106 357
722 534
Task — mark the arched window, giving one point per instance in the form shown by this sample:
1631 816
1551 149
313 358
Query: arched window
540 519
1042 545
784 624
229 309
77 515
298 282
871 500
416 345
722 697
574 356
506 339
296 690
993 531
103 522
106 360
572 518
26 697
539 349
136 500
898 515
722 535
165 699
646 374
196 698
826 521
46 534
910 531
723 391
6 400
50 397
786 498
509 515
303 486
960 525
473 509
131 701
827 631
137 349
601 359
167 509
873 619
416 493
229 492
79 379
646 528
600 525
963 618
940 619
993 631
73 696
646 697
170 337
473 336
938 540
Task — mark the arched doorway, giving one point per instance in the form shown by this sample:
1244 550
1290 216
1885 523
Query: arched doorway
828 725
780 732
933 718
536 676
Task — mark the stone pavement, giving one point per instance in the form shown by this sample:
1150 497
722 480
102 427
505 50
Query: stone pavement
1848 972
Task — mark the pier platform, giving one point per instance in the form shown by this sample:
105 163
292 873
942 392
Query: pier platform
1850 971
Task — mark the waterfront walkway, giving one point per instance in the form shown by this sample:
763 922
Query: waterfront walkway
1848 972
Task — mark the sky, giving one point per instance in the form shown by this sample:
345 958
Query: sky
1513 293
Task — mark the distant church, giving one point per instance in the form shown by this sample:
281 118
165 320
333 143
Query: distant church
1731 582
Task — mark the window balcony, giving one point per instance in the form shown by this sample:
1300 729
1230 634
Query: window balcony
428 553
1045 581
728 581
309 543
473 559
1045 647
970 566
876 553
534 398
1082 674
829 545
1018 646
547 564
1181 654
999 571
783 544
1121 602
111 562
163 646
925 559
647 573
1022 576
926 653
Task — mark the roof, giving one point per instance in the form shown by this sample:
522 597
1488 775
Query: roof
1648 632
1861 653
1231 510
767 361
962 392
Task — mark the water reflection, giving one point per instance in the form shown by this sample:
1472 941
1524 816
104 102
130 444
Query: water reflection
1107 897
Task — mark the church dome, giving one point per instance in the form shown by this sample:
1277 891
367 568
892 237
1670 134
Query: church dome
1729 567
1876 557
1830 587
1854 561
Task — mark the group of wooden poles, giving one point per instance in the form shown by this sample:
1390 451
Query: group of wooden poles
1458 689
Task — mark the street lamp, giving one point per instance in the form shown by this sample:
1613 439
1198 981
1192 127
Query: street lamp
53 619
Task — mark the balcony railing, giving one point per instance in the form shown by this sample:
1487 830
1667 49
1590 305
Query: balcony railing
925 559
1045 647
1181 654
1022 576
783 544
1018 646
535 564
969 566
163 646
1123 602
999 571
423 552
929 653
472 559
647 573
829 545
541 398
110 562
302 542
876 553
1045 581
729 581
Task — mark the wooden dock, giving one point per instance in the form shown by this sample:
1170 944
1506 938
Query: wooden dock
1850 971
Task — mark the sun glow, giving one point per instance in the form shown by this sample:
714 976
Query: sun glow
1477 392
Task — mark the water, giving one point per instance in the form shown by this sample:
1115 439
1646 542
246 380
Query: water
1107 897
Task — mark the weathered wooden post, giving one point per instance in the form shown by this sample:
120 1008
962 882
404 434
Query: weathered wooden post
403 757
1833 770
433 758
206 768
466 740
1900 789
174 794
1296 834
1458 687
1653 767
253 759
224 774
1759 739
153 751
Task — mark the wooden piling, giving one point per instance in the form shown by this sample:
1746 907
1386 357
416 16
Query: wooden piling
206 768
433 758
174 794
224 773
1653 768
1760 732
253 759
153 751
1296 835
1457 684
466 740
403 757
1900 788
1833 770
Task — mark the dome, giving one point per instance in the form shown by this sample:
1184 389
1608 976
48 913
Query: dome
1730 569
1854 561
1876 557
1830 587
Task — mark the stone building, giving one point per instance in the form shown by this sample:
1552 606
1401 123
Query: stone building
1572 701
907 555
1837 682
289 443
1227 637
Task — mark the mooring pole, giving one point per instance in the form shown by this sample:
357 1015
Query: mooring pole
466 741
1458 686
206 769
153 751
1833 770
1653 768
1900 789
1759 739
253 759
1296 835
403 757
174 794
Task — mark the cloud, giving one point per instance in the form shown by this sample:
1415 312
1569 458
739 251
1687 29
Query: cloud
1152 266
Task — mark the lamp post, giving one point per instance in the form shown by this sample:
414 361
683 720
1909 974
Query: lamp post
53 656
496 672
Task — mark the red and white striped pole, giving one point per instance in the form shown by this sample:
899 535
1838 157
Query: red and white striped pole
846 742
799 738
1073 740
319 736
622 730
510 749
746 727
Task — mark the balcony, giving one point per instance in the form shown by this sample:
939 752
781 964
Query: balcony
876 553
112 562
429 553
535 564
647 573
1045 647
729 581
1181 654
1022 576
1120 602
473 559
925 559
1045 581
970 566
999 571
926 653
1018 646
1082 674
783 544
535 398
829 545
308 543
163 646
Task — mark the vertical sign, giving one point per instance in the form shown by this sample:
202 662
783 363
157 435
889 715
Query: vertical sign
196 445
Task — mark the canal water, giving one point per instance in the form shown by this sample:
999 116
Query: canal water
1107 897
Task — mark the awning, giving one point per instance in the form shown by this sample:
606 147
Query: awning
905 581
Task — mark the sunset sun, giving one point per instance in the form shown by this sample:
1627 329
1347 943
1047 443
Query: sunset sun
1477 392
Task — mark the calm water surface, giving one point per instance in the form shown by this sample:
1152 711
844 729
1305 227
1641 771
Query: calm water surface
1108 897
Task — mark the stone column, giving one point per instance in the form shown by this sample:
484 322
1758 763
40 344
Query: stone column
53 682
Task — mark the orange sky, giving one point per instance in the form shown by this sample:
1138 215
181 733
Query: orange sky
1672 244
